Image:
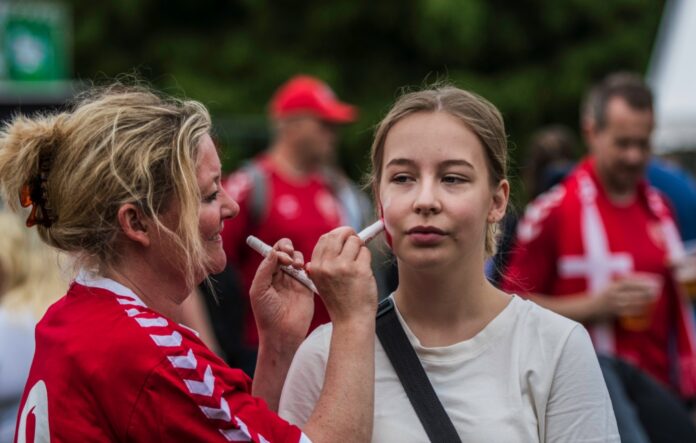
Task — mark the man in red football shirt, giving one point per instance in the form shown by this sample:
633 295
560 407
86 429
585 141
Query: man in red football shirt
599 247
288 192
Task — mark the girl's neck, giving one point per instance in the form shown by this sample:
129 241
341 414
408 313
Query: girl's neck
443 307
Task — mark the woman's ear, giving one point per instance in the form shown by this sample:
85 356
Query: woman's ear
134 224
501 195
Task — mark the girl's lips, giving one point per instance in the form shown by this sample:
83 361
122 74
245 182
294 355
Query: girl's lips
425 238
425 230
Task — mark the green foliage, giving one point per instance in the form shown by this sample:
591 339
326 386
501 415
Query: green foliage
532 58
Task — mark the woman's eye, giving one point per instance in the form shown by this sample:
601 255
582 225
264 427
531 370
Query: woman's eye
212 197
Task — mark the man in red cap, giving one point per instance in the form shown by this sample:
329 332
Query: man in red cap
292 190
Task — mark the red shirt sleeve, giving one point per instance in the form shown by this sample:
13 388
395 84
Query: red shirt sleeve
532 265
199 398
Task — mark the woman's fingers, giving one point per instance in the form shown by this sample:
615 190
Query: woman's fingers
351 248
331 244
264 274
364 255
287 255
298 259
340 268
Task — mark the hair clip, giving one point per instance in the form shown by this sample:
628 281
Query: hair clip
31 194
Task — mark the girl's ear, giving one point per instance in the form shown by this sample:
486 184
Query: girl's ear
134 224
501 195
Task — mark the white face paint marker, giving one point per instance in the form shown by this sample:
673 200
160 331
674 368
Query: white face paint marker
371 231
384 205
300 275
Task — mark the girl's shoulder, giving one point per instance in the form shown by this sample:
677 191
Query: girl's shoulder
546 326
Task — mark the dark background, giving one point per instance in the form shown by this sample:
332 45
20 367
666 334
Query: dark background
531 58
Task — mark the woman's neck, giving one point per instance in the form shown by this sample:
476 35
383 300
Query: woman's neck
159 293
443 307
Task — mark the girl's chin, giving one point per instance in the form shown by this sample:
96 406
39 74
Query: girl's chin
423 261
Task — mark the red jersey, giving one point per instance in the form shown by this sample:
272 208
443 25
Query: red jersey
107 368
573 239
299 210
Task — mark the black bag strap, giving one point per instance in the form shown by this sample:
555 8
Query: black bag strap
259 192
408 367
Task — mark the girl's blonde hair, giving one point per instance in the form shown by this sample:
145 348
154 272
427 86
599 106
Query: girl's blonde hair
477 113
118 144
30 272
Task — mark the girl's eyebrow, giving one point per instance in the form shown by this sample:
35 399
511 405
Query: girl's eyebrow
444 164
458 162
400 162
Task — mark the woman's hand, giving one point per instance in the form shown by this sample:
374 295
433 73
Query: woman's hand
283 307
340 268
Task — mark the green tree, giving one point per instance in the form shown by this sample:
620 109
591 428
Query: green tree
532 58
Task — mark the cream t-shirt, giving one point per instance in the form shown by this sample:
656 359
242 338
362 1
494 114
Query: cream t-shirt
529 376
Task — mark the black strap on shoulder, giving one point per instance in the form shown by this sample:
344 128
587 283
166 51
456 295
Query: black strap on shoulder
408 367
259 192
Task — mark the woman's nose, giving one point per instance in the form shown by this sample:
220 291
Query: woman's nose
230 208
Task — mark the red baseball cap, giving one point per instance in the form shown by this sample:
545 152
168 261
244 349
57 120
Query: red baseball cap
303 94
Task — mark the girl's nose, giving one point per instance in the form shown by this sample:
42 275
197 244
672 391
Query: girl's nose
427 200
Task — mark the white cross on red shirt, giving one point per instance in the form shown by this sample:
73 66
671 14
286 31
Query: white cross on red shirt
598 265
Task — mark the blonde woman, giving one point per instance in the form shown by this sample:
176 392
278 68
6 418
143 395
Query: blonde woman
504 369
30 280
128 182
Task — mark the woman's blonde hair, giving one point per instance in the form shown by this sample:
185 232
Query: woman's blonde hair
30 272
118 144
477 113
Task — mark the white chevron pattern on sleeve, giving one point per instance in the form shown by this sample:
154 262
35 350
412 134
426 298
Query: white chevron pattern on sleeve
242 426
187 361
221 413
151 322
204 387
245 429
234 435
172 340
132 312
124 300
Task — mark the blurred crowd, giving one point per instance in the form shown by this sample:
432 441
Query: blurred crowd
607 238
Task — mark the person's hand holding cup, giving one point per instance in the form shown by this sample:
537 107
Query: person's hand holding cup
638 295
685 272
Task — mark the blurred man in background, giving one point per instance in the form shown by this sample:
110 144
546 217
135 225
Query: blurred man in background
599 249
294 189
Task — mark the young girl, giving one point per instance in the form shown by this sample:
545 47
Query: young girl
503 368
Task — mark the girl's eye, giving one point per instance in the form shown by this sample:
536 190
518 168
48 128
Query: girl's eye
212 197
454 179
400 178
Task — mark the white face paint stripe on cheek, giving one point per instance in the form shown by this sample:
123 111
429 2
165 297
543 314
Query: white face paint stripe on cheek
383 206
